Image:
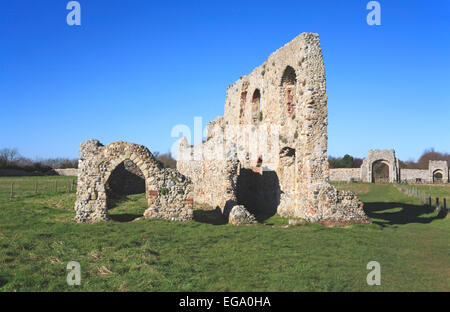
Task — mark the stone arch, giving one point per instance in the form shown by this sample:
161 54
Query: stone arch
441 167
288 89
438 176
162 186
127 178
256 105
289 77
376 175
380 156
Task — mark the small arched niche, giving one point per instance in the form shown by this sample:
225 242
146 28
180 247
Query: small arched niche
256 105
243 99
288 86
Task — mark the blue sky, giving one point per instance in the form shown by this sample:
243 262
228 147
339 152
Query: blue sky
134 69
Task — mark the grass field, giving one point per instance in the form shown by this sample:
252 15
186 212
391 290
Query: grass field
440 191
38 238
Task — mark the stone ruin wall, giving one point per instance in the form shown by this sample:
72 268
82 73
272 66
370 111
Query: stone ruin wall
385 156
396 174
69 172
286 96
412 175
169 194
345 174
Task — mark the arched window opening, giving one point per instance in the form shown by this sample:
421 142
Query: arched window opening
380 172
288 85
242 106
289 77
256 104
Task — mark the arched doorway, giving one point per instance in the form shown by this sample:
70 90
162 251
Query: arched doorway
438 176
123 187
380 171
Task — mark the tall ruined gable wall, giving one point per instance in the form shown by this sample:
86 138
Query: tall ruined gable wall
286 95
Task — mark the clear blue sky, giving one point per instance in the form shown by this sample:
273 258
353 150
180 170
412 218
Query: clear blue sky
134 69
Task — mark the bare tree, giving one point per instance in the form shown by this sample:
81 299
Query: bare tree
8 156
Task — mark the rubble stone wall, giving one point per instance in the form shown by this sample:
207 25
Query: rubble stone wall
169 193
440 166
286 99
72 172
414 176
385 156
345 174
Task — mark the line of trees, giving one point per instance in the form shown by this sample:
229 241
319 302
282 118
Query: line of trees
166 159
423 161
10 158
344 162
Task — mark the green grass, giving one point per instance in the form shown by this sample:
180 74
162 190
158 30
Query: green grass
38 238
440 191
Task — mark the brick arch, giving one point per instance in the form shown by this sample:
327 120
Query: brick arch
97 162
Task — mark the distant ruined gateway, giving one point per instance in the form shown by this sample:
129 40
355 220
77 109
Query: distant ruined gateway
268 153
437 172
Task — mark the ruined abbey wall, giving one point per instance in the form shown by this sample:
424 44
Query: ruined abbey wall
345 174
169 194
275 129
396 174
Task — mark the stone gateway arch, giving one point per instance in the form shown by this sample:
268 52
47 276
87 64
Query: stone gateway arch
169 193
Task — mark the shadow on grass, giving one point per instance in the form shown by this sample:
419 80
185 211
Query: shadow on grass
124 217
116 200
213 217
407 213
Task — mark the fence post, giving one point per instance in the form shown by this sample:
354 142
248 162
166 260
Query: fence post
56 186
12 190
35 187
429 201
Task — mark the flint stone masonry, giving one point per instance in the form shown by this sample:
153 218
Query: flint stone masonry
345 174
70 172
286 98
396 174
438 166
385 156
239 216
414 176
169 194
